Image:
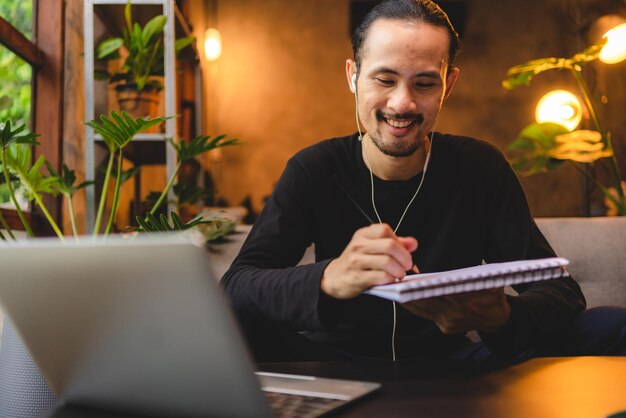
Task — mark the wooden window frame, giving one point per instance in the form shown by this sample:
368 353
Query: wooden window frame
46 56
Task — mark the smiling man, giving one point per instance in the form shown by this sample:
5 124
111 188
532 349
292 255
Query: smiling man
394 197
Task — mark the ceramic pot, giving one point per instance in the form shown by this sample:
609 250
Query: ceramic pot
143 103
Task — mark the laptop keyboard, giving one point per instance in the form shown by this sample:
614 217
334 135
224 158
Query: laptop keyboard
300 406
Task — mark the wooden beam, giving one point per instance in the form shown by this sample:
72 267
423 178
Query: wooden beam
48 89
19 44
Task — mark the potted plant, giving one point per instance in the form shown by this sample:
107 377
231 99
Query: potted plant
138 79
542 147
117 130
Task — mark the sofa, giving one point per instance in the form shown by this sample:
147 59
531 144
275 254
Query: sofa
594 247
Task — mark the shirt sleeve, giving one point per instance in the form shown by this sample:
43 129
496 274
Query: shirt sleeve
264 282
541 309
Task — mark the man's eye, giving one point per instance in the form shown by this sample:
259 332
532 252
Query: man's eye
384 81
424 85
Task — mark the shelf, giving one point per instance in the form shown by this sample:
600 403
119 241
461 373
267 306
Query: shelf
145 149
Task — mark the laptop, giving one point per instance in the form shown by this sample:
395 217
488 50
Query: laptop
139 325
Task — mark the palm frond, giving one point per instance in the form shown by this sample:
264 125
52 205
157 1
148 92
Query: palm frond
150 223
186 150
9 136
18 160
119 129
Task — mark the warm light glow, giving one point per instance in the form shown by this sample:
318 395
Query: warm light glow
559 106
212 44
614 50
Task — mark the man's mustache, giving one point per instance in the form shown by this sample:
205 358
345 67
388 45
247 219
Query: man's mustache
419 118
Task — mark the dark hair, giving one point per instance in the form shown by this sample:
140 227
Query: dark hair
424 11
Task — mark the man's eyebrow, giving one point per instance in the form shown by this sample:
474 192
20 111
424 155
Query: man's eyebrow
429 74
387 70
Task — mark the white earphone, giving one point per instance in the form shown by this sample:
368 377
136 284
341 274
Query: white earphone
419 186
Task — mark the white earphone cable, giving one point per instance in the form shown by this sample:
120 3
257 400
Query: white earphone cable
369 167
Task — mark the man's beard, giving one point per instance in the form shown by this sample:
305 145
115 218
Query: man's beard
400 148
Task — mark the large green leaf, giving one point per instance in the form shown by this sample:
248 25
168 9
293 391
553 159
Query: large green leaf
151 223
31 178
109 49
187 150
119 129
10 136
522 74
153 28
534 148
65 184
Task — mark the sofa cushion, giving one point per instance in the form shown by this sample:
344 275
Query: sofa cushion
595 247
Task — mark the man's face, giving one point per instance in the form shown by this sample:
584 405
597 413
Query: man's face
402 82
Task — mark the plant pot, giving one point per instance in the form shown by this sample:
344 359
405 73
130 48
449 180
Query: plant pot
144 103
23 390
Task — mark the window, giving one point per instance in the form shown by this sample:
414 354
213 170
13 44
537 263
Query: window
30 31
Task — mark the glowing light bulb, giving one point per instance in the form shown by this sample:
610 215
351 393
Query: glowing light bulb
614 50
212 44
559 106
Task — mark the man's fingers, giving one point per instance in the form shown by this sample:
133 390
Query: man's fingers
391 247
409 243
375 231
384 263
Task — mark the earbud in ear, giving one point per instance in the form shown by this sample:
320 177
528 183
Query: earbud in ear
353 83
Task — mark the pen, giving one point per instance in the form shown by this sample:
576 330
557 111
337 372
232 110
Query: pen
345 191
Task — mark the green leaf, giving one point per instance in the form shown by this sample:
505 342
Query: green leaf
154 27
187 150
522 74
109 49
182 43
149 223
128 16
534 148
65 181
32 179
9 136
119 130
543 134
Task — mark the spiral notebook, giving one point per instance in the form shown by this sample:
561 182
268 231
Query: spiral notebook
486 276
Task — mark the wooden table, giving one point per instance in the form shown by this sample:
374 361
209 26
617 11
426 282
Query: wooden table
576 387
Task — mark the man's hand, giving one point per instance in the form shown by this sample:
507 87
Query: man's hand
484 310
374 256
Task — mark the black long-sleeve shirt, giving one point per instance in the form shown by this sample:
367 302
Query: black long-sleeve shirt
470 208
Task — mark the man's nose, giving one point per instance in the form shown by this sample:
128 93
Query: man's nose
401 100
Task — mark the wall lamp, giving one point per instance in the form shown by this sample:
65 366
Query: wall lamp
212 44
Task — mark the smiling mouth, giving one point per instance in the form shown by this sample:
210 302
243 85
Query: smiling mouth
400 121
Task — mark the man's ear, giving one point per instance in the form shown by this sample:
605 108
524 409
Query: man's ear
453 75
351 71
